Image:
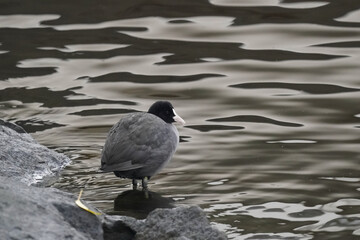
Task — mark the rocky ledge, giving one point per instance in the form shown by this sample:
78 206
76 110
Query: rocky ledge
25 160
33 212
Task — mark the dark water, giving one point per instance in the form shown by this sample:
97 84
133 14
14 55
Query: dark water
269 90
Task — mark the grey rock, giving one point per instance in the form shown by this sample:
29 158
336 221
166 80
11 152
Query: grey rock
25 160
28 212
180 223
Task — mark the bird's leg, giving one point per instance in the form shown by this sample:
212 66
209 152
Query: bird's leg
134 183
145 186
145 183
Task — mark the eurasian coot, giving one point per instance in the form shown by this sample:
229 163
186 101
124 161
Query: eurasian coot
141 143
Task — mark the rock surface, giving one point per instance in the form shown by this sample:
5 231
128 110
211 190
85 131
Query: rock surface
180 223
25 160
30 212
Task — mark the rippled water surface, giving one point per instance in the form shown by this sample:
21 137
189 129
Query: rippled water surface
269 90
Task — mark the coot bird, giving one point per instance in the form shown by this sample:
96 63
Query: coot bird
141 143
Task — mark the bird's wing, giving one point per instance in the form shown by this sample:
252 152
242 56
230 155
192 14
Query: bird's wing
135 139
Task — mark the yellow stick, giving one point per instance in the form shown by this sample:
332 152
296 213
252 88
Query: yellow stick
81 205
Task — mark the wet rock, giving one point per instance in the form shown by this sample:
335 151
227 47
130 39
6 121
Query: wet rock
28 212
180 223
25 160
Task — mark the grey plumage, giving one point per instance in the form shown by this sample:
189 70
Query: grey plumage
140 144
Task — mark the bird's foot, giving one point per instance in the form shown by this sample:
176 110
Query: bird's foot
145 189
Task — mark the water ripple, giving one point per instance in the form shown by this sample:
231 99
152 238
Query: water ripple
255 119
327 217
208 128
311 88
147 79
50 99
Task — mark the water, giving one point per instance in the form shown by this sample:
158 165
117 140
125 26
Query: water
269 90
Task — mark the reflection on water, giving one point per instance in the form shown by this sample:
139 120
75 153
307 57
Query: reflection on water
319 218
269 90
135 203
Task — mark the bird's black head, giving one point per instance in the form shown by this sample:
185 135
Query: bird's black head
165 111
